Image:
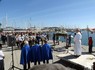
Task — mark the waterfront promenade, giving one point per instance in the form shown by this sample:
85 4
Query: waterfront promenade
59 52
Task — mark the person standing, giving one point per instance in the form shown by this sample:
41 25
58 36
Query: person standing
46 52
1 58
25 57
77 43
69 40
38 38
57 39
35 53
90 43
53 39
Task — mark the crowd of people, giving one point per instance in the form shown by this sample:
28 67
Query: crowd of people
35 48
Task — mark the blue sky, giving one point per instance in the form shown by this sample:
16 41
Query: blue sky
48 13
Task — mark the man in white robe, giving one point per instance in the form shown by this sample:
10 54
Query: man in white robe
77 42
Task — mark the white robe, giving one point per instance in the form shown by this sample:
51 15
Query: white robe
77 42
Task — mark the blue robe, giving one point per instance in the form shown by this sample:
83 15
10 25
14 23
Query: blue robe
25 54
46 52
35 53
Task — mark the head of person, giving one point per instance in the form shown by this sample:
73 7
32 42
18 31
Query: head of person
56 66
90 38
45 41
25 42
77 30
69 35
36 42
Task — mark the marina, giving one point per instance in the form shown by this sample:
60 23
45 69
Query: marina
47 33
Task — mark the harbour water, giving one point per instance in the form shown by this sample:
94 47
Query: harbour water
85 36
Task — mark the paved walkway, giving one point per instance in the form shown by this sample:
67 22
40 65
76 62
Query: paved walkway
58 49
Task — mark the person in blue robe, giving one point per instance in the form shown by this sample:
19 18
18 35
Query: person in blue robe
25 55
46 52
35 53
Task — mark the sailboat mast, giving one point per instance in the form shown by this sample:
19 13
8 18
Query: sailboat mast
6 21
30 23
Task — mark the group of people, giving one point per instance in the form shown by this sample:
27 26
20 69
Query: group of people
77 43
35 54
40 37
34 48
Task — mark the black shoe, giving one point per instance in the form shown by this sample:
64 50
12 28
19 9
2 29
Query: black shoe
76 55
